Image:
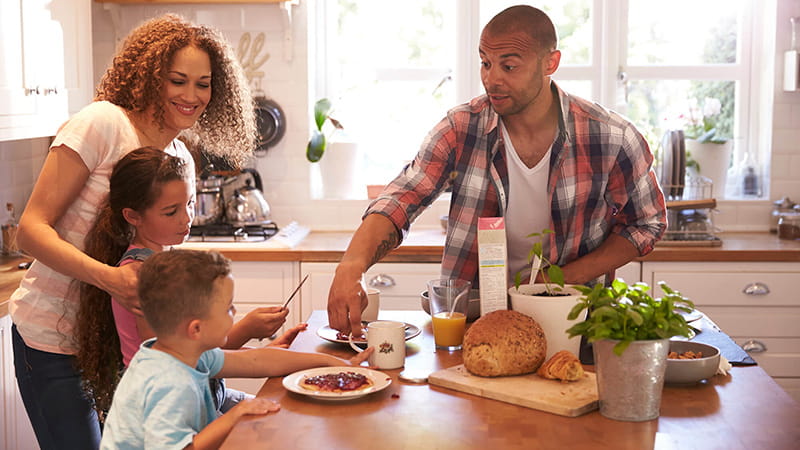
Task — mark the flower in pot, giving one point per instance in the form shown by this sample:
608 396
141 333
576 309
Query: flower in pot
629 331
549 302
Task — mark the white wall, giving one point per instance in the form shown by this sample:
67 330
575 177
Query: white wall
284 169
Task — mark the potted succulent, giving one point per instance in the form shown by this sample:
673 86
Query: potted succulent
338 171
549 302
629 331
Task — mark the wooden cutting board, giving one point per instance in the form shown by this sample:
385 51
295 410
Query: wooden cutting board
531 391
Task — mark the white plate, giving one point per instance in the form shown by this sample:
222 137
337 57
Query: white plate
330 334
294 382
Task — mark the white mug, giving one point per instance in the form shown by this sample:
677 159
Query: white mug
370 314
389 340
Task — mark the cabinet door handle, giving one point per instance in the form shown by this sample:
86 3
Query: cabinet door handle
754 346
757 288
381 280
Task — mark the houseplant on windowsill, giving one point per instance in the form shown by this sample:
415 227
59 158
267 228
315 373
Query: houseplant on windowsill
548 302
708 149
629 331
338 169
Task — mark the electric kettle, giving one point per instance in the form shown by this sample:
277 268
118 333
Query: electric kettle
247 205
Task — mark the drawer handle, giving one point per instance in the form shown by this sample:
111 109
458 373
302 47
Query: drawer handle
381 280
757 288
754 346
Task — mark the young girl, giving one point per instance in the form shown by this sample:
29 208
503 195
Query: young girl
150 207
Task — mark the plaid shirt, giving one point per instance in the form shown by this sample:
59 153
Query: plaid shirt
600 182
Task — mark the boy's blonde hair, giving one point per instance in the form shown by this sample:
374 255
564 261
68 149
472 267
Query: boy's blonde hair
176 285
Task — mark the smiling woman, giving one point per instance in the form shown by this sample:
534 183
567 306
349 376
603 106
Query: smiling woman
170 78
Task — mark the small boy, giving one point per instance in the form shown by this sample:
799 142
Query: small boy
164 399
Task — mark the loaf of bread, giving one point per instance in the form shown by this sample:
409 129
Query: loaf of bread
504 343
563 365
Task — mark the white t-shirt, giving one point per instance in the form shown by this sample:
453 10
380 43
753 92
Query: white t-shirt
43 308
528 207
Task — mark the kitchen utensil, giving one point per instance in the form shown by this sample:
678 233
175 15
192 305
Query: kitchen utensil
296 290
247 205
209 206
473 309
388 339
271 124
691 371
293 383
531 391
333 335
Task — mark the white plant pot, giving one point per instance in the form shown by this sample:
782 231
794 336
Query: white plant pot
714 160
339 171
551 314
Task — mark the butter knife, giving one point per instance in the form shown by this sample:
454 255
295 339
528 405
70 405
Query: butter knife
295 291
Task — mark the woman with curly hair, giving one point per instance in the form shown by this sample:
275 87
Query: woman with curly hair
170 79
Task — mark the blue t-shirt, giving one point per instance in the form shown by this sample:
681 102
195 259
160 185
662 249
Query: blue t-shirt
160 401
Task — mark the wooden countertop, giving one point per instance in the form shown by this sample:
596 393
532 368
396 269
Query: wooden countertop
10 276
426 246
745 410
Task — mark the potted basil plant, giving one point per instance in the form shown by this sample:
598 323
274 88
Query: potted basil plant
629 331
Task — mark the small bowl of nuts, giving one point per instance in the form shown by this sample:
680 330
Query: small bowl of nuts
690 362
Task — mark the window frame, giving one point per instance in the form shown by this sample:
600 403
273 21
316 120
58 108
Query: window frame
752 72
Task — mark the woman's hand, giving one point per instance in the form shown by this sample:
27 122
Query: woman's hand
122 285
286 339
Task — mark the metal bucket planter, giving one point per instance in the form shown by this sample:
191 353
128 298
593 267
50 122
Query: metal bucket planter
630 385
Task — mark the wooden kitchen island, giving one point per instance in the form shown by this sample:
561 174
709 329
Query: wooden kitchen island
745 410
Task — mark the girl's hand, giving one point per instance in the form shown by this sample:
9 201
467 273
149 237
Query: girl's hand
263 322
286 339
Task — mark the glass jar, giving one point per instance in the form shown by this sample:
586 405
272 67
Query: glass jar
781 206
789 226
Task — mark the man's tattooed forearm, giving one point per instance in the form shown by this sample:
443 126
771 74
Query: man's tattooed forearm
385 247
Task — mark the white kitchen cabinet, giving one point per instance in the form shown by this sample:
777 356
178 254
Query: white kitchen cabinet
631 272
400 284
15 428
756 304
258 284
45 65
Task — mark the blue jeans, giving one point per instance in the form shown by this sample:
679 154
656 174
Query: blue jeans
61 415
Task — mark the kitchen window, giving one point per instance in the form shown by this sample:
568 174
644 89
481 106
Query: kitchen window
392 69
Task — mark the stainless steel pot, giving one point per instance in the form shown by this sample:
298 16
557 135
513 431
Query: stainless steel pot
209 204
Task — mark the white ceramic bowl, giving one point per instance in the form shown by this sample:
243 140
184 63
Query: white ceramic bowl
690 371
473 308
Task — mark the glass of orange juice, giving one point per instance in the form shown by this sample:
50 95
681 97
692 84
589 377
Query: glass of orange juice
448 304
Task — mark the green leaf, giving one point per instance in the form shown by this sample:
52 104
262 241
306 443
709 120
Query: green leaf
321 110
555 275
316 146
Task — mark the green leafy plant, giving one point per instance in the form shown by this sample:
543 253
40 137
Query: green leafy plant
318 142
628 313
551 273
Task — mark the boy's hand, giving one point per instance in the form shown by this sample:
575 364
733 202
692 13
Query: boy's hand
264 322
255 406
286 339
361 356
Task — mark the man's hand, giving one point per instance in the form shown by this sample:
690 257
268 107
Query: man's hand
346 299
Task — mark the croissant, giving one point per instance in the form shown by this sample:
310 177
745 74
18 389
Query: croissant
563 366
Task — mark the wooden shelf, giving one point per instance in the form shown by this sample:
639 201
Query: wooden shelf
710 203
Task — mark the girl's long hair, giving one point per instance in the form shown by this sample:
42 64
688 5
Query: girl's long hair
136 184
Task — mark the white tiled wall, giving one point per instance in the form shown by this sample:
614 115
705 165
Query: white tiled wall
284 169
20 162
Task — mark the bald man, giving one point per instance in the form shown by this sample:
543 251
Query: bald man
525 150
